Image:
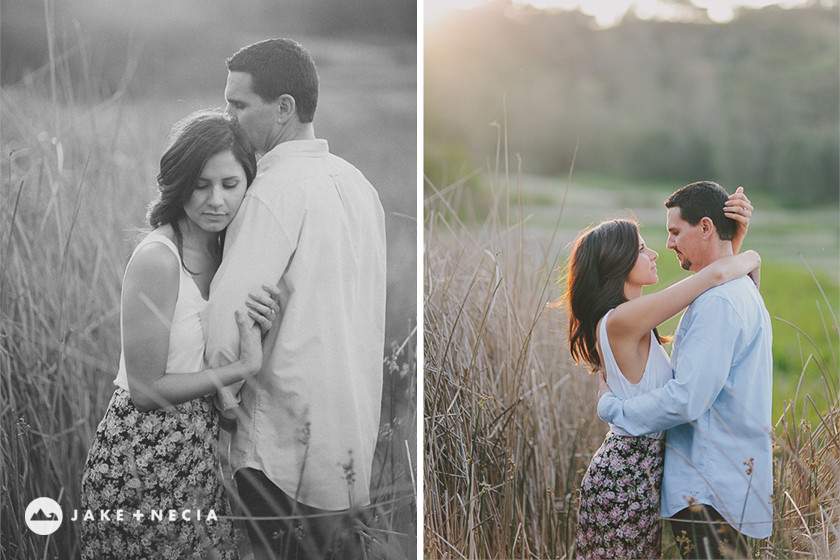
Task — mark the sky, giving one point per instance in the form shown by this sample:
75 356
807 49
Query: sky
610 12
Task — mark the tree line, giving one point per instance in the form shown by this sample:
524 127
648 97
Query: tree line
753 102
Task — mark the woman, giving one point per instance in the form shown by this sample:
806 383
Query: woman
155 449
612 328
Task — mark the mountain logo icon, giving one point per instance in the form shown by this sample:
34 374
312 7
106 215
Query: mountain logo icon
43 516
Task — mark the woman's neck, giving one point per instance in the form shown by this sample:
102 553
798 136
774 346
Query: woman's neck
196 238
632 291
199 244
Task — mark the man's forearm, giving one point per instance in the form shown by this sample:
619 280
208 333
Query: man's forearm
640 415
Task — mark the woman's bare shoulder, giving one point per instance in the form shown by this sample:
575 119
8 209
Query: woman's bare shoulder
153 264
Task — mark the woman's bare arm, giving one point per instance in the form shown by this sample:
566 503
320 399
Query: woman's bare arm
150 290
635 318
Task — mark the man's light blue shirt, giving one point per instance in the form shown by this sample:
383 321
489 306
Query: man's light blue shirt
716 410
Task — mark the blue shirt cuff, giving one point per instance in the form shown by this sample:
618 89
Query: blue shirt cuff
604 404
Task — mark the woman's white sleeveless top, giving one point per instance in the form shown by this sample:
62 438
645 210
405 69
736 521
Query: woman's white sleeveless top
657 372
186 337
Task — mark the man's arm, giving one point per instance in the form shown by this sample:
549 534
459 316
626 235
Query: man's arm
257 250
707 345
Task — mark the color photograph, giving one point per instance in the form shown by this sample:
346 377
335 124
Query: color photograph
630 279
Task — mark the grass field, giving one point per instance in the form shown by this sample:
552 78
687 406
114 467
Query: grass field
78 172
510 422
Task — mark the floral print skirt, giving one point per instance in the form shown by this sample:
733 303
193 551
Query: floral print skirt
149 465
619 500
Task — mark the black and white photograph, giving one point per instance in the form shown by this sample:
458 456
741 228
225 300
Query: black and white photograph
208 279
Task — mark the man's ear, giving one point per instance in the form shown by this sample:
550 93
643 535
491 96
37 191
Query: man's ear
286 107
707 227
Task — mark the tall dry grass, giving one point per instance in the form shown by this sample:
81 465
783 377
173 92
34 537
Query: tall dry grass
61 252
78 168
510 423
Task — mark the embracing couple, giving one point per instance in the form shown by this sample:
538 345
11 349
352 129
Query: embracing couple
690 433
257 296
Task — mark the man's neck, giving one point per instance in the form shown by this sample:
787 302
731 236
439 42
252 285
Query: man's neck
298 131
301 131
717 251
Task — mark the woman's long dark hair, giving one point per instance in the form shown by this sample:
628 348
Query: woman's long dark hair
601 259
193 141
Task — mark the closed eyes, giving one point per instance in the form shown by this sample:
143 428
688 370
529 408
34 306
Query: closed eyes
229 183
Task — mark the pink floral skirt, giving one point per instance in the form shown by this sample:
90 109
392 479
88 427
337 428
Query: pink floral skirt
619 500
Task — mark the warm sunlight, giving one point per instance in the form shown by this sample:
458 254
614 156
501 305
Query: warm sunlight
608 13
434 10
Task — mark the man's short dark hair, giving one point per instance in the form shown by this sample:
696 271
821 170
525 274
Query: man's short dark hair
278 67
704 199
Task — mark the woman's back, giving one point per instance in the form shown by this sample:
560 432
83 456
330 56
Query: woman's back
657 370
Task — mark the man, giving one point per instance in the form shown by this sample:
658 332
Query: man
312 225
717 483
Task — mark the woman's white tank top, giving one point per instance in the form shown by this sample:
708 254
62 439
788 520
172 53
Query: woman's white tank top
657 372
186 336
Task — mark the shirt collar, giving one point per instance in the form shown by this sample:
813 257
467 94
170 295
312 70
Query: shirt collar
301 148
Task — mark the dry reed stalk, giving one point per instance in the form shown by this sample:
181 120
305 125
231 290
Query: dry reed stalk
509 421
807 476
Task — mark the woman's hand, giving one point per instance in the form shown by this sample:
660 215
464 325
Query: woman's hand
262 308
739 208
250 344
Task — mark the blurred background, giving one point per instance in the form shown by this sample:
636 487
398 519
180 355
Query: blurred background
169 58
90 89
657 92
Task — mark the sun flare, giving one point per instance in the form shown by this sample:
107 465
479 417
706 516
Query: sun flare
610 12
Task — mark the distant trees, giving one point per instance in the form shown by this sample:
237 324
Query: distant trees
752 102
159 38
